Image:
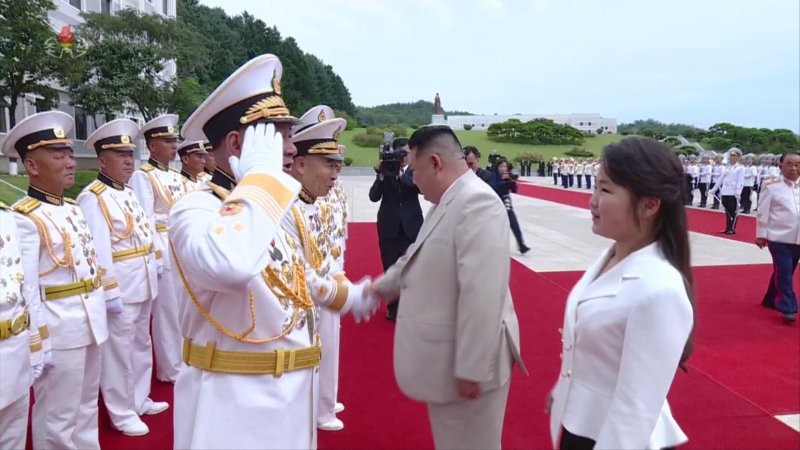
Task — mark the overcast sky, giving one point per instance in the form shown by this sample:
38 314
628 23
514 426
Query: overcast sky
698 62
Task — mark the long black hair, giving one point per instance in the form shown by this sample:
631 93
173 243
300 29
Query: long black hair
648 168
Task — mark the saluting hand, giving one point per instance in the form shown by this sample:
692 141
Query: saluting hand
262 151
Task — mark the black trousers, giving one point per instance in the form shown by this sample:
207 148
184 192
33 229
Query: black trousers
571 441
515 228
555 178
703 193
580 179
746 202
571 180
729 203
588 181
564 180
391 250
689 194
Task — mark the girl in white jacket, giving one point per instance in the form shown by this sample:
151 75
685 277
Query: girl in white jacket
629 319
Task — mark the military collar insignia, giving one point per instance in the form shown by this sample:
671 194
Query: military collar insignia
223 180
189 176
108 181
158 165
306 196
44 196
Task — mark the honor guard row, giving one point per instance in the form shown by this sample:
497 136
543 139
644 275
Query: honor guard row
88 273
249 271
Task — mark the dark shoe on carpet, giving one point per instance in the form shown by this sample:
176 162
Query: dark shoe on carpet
789 317
730 232
723 232
524 250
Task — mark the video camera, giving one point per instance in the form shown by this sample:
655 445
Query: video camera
390 159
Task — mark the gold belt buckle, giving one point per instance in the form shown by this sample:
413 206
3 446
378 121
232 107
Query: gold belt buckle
19 324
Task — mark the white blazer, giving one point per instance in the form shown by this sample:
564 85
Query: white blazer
623 335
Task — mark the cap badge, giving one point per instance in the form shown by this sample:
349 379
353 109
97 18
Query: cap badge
321 117
125 139
59 133
336 134
170 130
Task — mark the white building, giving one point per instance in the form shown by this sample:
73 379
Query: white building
68 12
586 122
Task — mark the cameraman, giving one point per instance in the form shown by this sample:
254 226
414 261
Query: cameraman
399 215
506 184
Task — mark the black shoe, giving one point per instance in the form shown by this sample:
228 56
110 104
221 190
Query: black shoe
391 315
723 232
730 232
524 250
789 317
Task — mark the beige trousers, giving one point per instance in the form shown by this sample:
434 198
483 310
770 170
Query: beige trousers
470 424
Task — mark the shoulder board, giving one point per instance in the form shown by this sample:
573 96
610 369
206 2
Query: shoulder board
26 205
97 187
3 205
70 201
146 167
219 191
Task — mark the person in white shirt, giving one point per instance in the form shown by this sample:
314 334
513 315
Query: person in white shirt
628 321
587 172
563 171
778 228
579 166
555 171
704 179
750 175
730 187
571 172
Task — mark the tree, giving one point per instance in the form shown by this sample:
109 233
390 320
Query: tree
25 67
126 66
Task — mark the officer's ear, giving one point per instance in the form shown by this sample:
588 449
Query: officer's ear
31 164
233 142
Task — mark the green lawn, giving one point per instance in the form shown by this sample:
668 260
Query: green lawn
368 156
9 195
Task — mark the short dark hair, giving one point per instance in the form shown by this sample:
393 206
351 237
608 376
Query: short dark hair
787 154
425 136
399 142
472 149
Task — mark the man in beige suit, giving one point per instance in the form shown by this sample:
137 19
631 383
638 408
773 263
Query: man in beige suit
457 335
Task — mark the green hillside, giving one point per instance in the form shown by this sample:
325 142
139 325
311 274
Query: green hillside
365 157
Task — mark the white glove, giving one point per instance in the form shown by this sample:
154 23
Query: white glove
37 370
114 306
47 358
359 302
262 152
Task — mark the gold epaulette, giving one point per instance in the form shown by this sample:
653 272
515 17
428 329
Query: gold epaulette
97 186
219 191
70 201
146 167
26 205
3 205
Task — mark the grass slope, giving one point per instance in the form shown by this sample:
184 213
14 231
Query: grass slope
368 156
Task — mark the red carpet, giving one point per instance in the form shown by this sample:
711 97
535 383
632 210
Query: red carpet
700 220
745 368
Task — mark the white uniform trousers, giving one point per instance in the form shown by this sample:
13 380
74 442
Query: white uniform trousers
14 423
127 364
329 328
470 424
65 406
167 340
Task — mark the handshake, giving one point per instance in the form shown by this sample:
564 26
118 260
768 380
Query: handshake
362 300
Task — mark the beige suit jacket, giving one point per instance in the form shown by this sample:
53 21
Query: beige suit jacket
457 318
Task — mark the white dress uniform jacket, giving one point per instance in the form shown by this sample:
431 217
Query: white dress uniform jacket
20 340
158 187
623 335
123 238
242 288
778 217
731 180
193 183
57 243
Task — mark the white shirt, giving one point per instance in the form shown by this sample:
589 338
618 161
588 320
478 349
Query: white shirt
778 218
705 173
732 180
750 175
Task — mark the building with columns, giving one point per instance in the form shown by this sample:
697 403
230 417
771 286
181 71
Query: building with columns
586 122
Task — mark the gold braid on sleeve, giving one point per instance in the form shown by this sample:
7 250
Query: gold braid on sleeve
312 253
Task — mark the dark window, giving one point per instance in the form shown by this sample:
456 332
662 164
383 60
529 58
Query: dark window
590 123
105 7
75 3
80 123
166 7
39 106
581 124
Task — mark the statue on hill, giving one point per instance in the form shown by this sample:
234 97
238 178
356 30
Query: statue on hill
437 105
